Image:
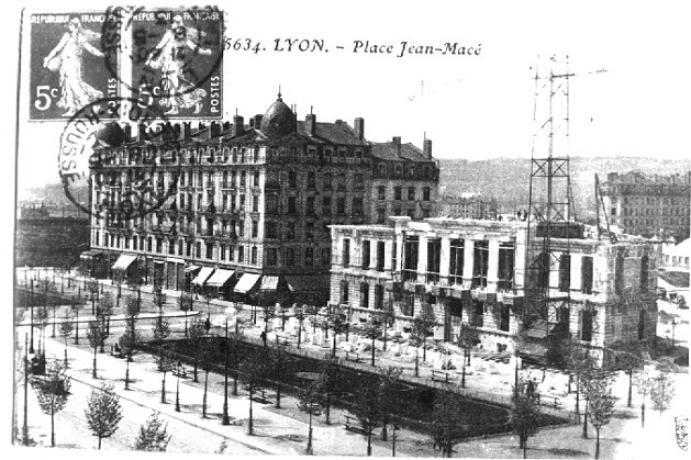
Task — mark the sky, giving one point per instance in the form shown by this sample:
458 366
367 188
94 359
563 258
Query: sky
472 107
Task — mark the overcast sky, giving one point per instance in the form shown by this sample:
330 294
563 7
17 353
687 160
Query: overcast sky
472 107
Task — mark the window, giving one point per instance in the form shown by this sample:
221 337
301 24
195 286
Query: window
241 254
290 257
292 209
381 215
456 261
340 205
433 259
410 258
223 252
271 256
586 325
255 181
644 273
231 253
619 274
397 193
477 319
328 178
455 307
255 229
309 230
309 205
364 295
326 206
506 265
292 179
642 317
381 192
426 194
290 230
357 206
254 256
241 227
309 257
198 250
504 318
271 203
365 255
326 257
209 251
255 203
271 229
564 272
378 297
344 291
311 182
346 252
381 250
359 180
243 178
480 263
411 193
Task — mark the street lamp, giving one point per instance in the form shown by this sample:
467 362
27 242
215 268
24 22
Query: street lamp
225 420
177 388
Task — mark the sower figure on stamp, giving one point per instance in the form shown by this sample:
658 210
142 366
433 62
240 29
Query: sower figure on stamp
169 57
66 59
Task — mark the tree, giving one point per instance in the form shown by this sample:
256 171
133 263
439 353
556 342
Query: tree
41 318
643 382
467 339
153 435
282 365
326 384
134 277
337 322
387 317
52 390
66 328
269 313
92 287
96 333
104 412
105 309
448 421
161 329
300 316
186 303
372 332
601 405
129 338
422 327
367 409
165 364
388 399
310 398
197 334
253 371
629 358
661 391
206 353
524 414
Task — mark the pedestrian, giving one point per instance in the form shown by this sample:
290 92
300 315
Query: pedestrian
263 337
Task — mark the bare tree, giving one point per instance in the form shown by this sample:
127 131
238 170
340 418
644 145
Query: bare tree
52 390
310 399
104 412
165 364
66 328
96 335
186 303
388 399
448 422
367 409
153 435
253 371
422 327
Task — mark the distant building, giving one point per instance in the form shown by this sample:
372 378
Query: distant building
640 204
676 256
43 240
472 273
249 205
468 207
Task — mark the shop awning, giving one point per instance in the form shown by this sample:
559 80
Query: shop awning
307 283
124 261
269 283
191 269
246 283
219 278
89 254
202 276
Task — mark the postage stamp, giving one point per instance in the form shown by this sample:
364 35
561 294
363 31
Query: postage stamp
91 140
176 57
67 71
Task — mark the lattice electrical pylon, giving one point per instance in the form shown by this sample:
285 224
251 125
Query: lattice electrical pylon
550 208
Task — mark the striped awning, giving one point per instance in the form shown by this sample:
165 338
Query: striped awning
191 269
124 261
202 276
246 283
219 278
269 283
90 254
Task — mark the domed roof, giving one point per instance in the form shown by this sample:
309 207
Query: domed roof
278 120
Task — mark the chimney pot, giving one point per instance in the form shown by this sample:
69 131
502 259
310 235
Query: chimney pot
359 125
311 121
239 125
257 121
427 148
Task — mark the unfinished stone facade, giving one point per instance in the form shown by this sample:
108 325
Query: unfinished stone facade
472 272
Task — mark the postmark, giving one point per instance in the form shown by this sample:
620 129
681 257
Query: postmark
66 65
176 57
92 141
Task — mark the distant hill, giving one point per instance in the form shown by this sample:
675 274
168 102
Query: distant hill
507 179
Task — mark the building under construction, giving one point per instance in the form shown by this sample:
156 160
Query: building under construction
473 273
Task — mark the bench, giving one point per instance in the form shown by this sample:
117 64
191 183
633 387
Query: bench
182 373
314 408
352 356
440 376
260 397
354 425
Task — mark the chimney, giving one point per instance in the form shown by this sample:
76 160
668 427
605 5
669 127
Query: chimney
238 125
214 129
257 121
427 148
359 128
311 121
396 141
226 126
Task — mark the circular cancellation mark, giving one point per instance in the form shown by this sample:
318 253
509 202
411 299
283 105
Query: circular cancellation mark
90 141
